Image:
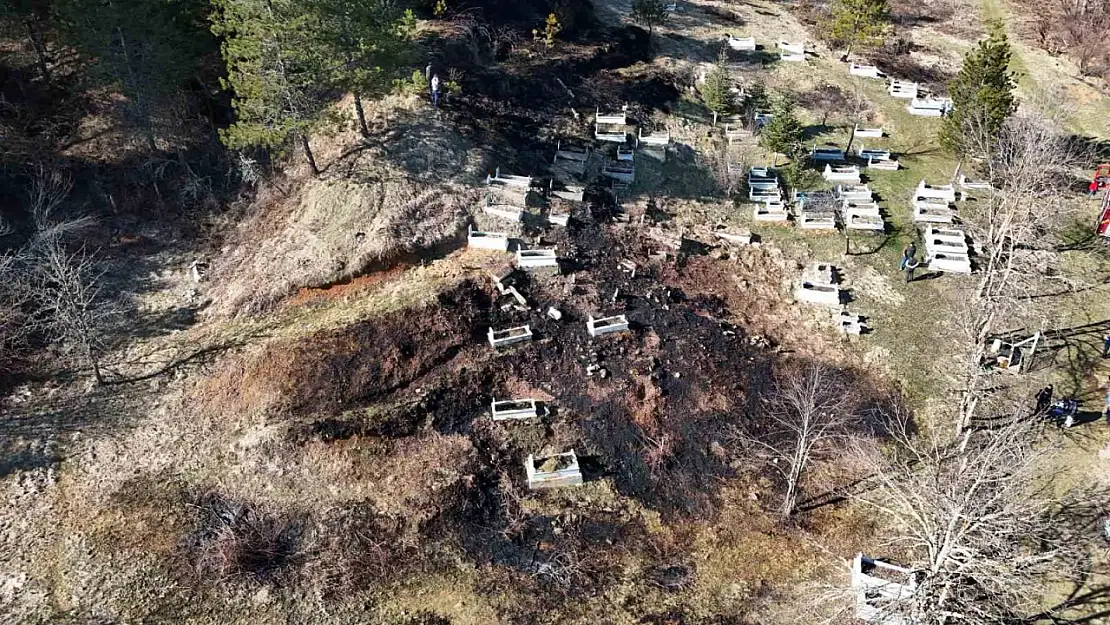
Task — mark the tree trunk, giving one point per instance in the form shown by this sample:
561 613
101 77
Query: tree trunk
362 128
308 155
851 139
40 48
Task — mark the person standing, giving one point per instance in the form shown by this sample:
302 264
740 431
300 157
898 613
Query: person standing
435 91
908 252
1044 399
909 265
1106 346
1106 410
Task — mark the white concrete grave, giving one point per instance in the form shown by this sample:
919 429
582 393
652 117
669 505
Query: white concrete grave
505 180
610 127
865 71
864 218
510 409
869 154
850 324
741 44
869 133
925 211
487 240
625 154
553 471
501 209
950 263
571 192
820 294
824 155
816 221
606 325
618 119
621 171
569 153
659 139
879 586
881 164
944 241
558 219
606 133
939 191
848 173
570 159
771 211
765 195
762 178
973 185
536 259
929 107
903 89
854 193
792 52
736 132
762 118
509 336
819 272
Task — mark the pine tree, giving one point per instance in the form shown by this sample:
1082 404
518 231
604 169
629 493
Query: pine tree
783 134
756 100
650 13
716 90
859 23
275 71
147 49
366 42
982 94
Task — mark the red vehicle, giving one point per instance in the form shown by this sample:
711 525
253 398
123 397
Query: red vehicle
1101 179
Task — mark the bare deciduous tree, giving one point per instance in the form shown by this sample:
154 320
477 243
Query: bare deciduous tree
1029 168
69 299
810 409
49 188
980 523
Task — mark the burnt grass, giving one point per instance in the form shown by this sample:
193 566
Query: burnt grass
655 418
510 100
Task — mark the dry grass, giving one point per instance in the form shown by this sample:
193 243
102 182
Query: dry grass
408 189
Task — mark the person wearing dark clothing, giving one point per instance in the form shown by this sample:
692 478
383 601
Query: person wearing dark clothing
909 265
1106 346
1044 399
907 253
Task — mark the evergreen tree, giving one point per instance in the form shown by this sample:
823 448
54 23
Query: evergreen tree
362 42
147 49
716 90
982 94
276 72
756 100
650 13
783 134
859 23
